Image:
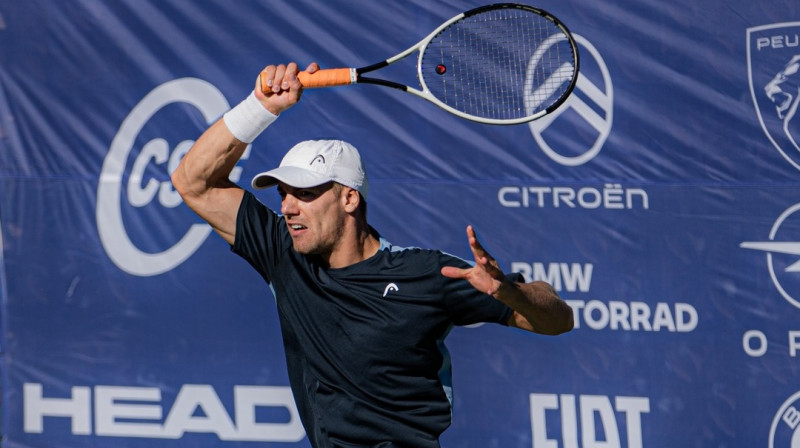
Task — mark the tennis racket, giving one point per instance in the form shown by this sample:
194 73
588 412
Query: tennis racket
498 64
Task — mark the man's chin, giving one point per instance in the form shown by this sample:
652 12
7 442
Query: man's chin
303 249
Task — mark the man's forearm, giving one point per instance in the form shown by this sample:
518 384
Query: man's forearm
540 306
209 163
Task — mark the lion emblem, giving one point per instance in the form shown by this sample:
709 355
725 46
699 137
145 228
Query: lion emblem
784 91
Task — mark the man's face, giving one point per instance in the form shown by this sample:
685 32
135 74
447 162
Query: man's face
315 217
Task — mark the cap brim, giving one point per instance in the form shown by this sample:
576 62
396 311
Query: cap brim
290 175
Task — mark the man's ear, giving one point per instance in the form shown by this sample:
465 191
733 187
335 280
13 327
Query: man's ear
351 199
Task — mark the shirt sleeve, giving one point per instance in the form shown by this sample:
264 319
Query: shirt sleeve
260 235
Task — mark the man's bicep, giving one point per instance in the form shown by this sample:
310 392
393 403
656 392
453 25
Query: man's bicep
219 208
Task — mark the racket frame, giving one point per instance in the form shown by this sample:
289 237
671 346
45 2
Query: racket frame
356 74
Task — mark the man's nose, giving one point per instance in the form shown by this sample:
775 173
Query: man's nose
288 205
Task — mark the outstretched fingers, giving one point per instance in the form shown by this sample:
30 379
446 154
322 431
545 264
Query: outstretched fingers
485 276
482 256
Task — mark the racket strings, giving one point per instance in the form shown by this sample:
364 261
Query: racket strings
500 64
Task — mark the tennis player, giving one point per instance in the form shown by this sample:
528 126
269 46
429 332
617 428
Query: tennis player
363 321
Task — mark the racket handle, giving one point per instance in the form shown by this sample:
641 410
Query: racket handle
328 77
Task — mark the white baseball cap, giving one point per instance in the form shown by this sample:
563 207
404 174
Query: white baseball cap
315 162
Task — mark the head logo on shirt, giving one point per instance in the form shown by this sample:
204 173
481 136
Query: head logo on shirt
389 288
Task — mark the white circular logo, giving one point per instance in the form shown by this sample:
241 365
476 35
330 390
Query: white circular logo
785 429
593 103
783 254
138 193
788 261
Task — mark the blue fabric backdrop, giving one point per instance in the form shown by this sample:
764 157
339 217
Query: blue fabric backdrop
662 201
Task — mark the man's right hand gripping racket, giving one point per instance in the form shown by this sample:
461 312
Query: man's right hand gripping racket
498 64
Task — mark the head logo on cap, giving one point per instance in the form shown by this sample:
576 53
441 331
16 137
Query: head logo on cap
315 162
319 158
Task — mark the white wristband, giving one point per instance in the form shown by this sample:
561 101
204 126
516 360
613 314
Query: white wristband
248 119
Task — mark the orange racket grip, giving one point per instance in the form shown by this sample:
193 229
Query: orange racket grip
328 77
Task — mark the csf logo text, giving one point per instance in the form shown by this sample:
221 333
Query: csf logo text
127 191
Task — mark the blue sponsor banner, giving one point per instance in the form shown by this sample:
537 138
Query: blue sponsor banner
661 200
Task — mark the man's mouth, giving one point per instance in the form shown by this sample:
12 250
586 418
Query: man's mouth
296 227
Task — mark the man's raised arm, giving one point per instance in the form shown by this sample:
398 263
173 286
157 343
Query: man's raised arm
202 176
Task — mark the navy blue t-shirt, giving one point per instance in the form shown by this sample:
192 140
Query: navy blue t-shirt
365 343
